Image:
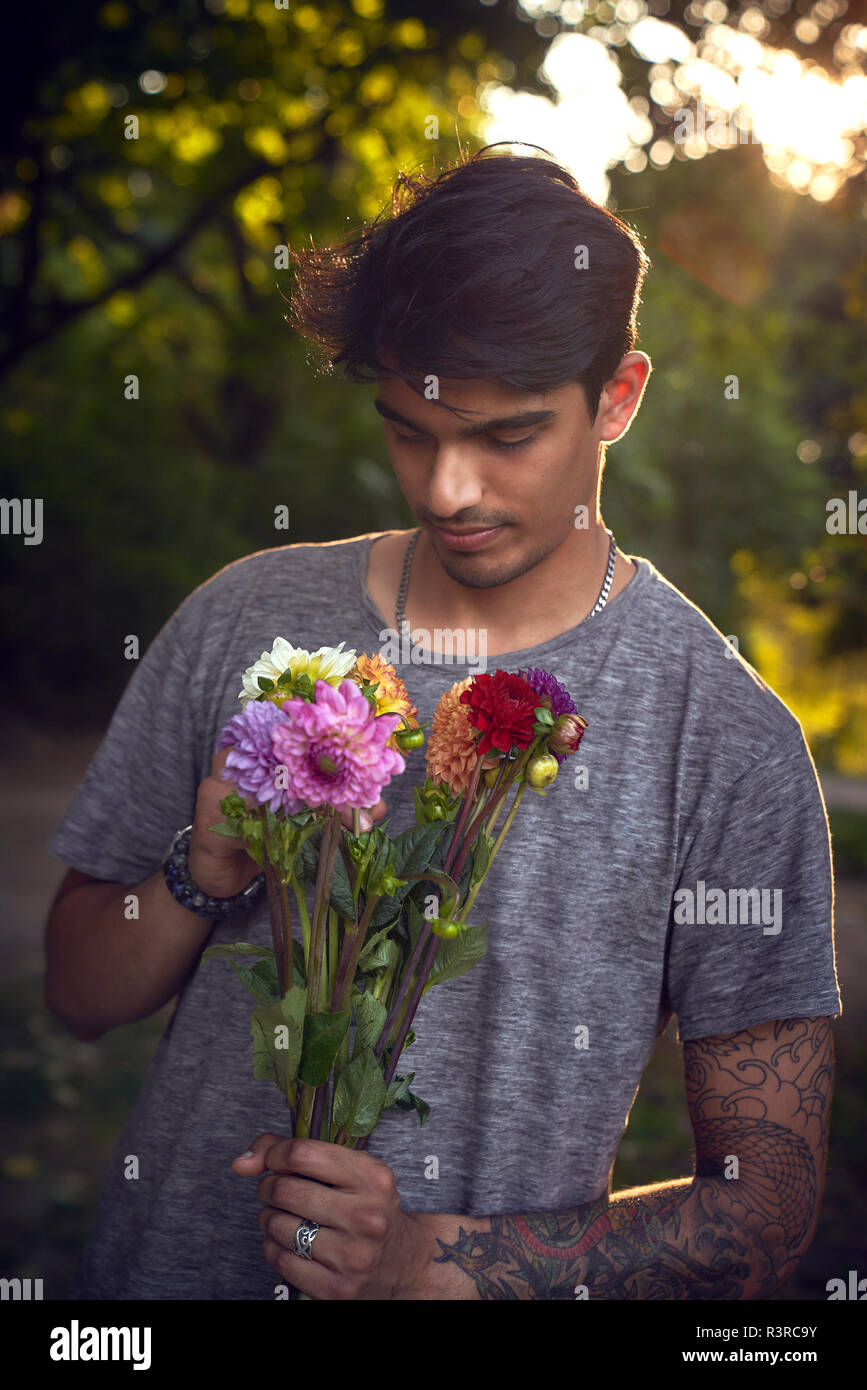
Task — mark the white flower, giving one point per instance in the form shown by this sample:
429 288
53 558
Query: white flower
331 664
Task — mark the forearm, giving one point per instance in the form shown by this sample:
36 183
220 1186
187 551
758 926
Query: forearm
104 966
672 1241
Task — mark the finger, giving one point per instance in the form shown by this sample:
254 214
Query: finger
281 1228
252 1163
347 818
319 1201
351 1170
218 771
307 1276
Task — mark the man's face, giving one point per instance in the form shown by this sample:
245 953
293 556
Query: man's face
514 462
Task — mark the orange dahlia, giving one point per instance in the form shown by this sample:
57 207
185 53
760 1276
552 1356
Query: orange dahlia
451 747
391 695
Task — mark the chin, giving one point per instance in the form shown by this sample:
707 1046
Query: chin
480 571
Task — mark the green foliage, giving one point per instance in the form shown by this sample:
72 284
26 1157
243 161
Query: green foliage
456 955
359 1096
283 1021
260 979
323 1034
370 1017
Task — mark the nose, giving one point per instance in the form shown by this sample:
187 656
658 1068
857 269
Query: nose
453 484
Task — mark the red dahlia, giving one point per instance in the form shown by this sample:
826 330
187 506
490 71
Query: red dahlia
501 706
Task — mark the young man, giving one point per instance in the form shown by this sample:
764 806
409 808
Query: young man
683 868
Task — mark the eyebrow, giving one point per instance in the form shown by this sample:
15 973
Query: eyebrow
504 422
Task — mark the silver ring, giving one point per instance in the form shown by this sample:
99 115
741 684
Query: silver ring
304 1237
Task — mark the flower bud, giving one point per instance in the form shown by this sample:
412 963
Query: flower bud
568 733
541 771
407 739
444 928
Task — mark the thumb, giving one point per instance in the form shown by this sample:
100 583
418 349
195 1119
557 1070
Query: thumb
218 760
251 1163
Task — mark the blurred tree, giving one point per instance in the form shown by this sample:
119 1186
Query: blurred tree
158 158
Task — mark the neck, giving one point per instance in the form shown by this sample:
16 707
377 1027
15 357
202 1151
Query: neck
555 594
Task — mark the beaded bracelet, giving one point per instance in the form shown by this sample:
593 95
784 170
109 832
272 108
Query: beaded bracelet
185 891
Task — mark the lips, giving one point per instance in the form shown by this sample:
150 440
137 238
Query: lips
468 540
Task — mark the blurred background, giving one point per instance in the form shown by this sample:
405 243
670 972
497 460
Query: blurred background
158 159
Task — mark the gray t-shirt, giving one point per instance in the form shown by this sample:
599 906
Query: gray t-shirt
602 913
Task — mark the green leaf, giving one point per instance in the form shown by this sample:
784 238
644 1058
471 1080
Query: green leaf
397 1089
481 856
276 1055
456 955
241 948
323 1034
224 827
410 1101
414 847
341 893
233 805
264 683
260 979
379 952
370 1016
359 1096
310 855
411 853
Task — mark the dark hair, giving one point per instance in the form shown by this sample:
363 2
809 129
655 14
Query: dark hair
474 276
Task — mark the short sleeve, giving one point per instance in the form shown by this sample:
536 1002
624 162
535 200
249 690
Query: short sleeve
141 784
751 934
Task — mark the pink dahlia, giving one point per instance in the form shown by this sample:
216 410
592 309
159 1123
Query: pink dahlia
334 748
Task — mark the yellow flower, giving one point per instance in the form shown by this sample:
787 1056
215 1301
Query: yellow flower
391 695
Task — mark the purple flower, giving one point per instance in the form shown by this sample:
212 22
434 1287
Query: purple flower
334 748
545 684
252 763
561 701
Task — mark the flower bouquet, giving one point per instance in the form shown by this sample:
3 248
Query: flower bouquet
318 737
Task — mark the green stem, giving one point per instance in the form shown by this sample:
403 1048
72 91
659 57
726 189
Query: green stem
316 962
471 896
333 951
353 945
271 884
301 900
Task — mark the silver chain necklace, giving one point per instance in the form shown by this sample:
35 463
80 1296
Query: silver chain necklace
403 587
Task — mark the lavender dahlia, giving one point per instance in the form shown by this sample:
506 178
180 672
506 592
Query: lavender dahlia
251 764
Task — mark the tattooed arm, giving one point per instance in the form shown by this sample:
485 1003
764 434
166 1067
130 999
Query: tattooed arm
759 1103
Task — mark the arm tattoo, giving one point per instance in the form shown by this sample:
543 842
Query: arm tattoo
759 1102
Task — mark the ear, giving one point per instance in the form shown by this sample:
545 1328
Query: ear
622 396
